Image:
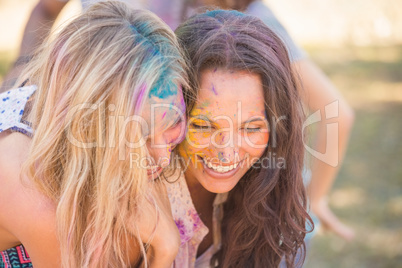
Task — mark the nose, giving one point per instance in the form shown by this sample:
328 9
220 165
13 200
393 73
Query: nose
223 138
226 147
228 155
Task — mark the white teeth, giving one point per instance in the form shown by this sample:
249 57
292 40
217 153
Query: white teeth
219 168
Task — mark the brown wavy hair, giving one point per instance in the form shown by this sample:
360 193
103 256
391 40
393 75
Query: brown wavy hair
265 214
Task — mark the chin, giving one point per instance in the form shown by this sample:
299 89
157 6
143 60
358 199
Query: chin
218 186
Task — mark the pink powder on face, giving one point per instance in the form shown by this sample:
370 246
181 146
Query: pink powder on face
214 90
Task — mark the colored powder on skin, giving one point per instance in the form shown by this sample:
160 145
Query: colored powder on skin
182 103
164 114
169 148
213 90
205 103
220 156
195 112
162 89
205 135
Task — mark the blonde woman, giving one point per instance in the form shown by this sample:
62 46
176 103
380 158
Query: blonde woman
99 98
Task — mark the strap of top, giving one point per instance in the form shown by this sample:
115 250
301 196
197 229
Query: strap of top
15 257
12 105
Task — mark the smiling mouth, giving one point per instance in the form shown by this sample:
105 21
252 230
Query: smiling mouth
219 168
153 170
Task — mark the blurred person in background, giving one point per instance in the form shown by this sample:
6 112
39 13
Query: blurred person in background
317 89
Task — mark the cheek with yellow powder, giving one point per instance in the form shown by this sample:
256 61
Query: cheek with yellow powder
196 142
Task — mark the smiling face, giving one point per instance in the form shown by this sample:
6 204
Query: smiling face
227 129
164 115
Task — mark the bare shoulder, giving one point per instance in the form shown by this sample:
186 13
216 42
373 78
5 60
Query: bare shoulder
13 152
28 216
11 159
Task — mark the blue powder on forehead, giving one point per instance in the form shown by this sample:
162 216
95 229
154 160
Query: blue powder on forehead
163 87
163 90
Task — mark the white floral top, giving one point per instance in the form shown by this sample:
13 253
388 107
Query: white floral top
12 105
192 229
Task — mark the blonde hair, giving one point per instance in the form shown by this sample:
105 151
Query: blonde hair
98 68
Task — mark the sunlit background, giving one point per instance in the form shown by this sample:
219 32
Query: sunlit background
359 46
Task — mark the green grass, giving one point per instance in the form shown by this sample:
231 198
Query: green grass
367 194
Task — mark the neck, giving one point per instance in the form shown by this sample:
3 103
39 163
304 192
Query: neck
202 199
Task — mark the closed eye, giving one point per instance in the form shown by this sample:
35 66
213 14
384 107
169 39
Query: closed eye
252 130
177 122
201 127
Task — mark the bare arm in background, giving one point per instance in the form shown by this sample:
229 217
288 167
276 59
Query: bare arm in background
36 30
319 92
